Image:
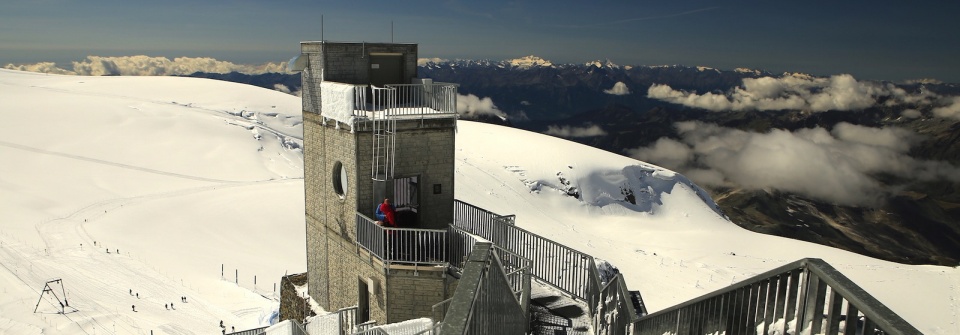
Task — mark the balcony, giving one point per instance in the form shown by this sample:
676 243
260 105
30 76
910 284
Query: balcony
349 103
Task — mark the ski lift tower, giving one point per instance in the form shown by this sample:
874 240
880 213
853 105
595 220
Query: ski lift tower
373 130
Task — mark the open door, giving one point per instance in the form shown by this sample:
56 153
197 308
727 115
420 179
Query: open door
363 301
406 196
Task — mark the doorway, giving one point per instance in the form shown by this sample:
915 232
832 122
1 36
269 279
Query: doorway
386 69
363 301
406 196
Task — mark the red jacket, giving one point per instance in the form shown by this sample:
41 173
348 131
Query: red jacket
390 215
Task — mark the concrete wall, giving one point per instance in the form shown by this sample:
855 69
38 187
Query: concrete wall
349 63
425 148
412 293
334 262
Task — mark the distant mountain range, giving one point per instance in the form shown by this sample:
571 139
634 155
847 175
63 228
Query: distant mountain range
919 223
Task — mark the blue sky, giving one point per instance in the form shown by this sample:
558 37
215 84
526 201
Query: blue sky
891 40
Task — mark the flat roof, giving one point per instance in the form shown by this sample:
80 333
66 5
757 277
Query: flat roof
361 42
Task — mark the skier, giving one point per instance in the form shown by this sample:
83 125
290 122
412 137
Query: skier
133 307
165 307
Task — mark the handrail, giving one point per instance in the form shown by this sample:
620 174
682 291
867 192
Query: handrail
776 298
483 302
402 245
615 313
579 278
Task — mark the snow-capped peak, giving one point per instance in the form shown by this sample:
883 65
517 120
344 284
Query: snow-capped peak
602 64
706 68
746 70
428 61
527 62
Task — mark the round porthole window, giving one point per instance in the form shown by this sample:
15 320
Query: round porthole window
340 184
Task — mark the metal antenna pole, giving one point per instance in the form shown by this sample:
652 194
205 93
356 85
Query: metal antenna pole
321 28
391 31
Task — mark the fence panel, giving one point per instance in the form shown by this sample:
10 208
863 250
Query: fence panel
402 245
822 300
566 268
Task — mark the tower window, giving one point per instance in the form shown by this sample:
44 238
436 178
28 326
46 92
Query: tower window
340 184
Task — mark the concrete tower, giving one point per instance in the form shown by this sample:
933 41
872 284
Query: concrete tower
372 130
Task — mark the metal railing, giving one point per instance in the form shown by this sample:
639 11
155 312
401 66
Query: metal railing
391 100
806 296
515 266
484 302
402 245
615 313
254 331
341 322
419 99
563 267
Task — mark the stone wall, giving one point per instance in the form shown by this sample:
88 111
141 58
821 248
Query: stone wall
412 293
346 63
293 306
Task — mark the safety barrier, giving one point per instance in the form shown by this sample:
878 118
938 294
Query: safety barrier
402 245
563 267
615 313
796 298
484 302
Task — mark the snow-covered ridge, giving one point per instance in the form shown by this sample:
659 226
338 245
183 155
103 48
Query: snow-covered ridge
170 172
528 62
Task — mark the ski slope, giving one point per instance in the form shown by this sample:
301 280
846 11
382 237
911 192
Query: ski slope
190 176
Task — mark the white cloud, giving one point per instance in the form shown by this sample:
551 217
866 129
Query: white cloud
42 67
665 151
150 66
911 113
472 105
836 166
897 139
281 87
618 89
951 110
792 92
568 131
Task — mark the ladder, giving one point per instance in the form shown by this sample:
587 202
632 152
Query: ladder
384 132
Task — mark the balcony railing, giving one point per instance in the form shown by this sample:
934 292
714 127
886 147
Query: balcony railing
348 102
402 245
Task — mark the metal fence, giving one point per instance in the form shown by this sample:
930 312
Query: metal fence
254 331
563 267
419 99
341 322
484 302
615 313
806 296
402 245
516 267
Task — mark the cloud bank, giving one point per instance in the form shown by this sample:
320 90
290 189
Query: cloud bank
795 92
837 165
149 66
472 105
568 131
618 89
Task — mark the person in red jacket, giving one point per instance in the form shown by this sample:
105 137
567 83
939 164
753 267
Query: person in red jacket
387 214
